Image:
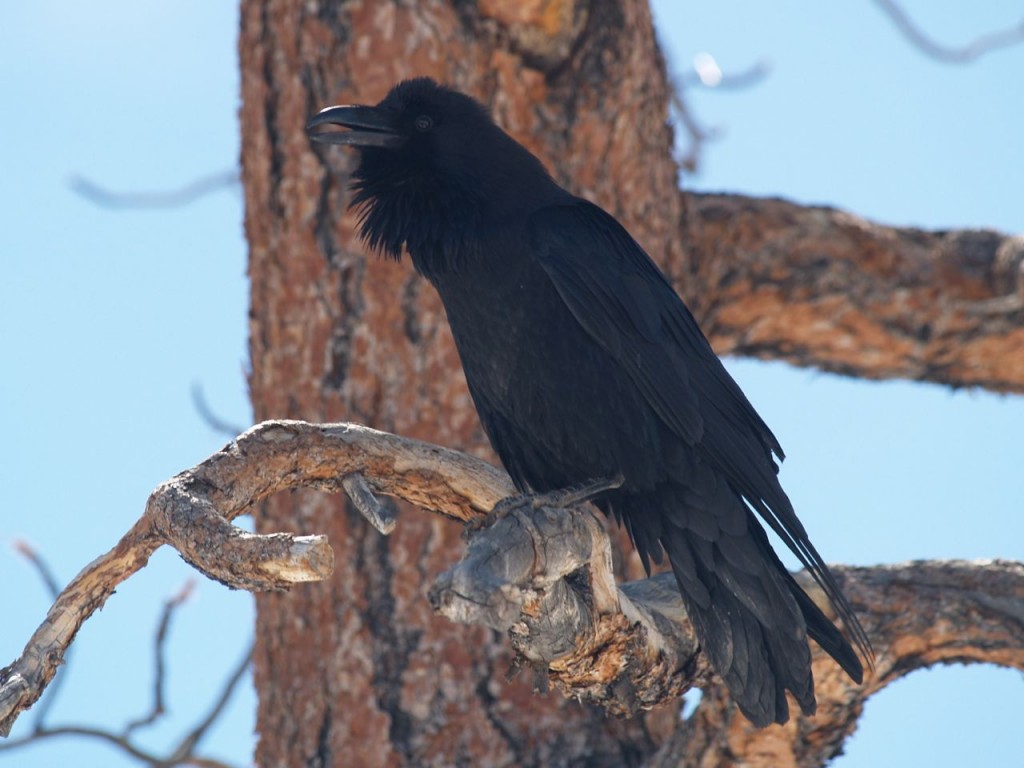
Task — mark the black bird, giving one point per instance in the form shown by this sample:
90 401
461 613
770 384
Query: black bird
584 364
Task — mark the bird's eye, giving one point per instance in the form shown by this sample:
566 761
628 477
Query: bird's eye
423 123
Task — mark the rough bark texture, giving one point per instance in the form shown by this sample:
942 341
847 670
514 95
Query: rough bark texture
546 573
820 287
917 614
23 681
359 669
543 576
377 678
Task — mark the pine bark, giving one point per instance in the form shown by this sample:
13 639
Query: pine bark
358 670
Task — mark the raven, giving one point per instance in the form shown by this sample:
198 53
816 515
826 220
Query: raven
584 364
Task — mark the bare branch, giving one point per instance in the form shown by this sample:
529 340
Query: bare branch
174 198
43 568
98 734
697 134
192 513
183 752
706 73
26 550
824 288
991 41
213 421
123 743
918 614
159 659
543 575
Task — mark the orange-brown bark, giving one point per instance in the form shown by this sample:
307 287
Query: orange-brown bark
359 669
917 614
377 677
820 287
542 576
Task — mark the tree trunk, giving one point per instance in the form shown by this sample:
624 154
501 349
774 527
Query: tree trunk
358 670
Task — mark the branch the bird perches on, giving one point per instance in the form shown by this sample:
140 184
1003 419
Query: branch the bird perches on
542 575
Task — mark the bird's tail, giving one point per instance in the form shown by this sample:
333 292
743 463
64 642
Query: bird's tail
750 615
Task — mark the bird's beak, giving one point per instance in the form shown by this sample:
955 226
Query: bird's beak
371 127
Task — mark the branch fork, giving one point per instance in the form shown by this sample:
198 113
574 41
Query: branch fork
542 574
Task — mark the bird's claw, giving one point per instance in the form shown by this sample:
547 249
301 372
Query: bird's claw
560 498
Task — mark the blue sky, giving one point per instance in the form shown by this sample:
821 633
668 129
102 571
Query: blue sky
109 318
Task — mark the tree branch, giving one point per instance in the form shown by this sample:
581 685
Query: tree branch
541 574
184 753
991 41
166 198
705 73
192 513
820 287
159 660
918 614
209 416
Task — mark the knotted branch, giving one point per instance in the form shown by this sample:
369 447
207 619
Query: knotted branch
192 513
917 614
543 575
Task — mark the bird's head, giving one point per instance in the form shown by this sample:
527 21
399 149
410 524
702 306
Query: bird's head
431 158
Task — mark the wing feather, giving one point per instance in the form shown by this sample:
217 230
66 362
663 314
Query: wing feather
626 304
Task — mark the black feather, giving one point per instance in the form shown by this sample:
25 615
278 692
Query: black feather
584 363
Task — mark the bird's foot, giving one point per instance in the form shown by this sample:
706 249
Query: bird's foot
559 499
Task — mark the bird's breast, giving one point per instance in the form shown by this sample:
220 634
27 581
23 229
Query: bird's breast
500 310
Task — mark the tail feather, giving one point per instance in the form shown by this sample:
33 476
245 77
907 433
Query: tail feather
750 615
819 627
750 626
827 635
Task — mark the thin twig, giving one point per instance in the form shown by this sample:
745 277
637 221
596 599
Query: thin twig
213 421
193 737
173 198
100 734
122 743
29 552
986 43
184 753
159 659
705 73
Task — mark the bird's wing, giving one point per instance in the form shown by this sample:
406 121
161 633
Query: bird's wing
616 298
627 305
